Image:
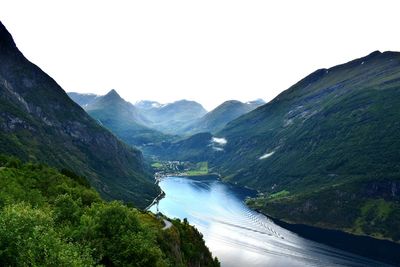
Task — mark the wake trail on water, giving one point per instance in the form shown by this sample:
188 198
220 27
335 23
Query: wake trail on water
232 230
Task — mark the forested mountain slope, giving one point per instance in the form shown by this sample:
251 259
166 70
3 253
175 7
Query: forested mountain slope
51 218
327 151
39 122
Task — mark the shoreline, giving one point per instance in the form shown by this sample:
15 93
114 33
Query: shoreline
155 200
384 251
377 249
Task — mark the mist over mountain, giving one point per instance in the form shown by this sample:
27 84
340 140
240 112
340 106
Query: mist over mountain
147 104
82 99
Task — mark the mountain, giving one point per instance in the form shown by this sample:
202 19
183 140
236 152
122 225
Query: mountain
324 153
39 122
216 119
113 104
147 104
82 99
123 119
195 148
173 117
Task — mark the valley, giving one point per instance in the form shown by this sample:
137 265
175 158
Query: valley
321 160
323 153
71 192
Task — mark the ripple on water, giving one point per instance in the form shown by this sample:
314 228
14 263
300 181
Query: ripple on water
239 236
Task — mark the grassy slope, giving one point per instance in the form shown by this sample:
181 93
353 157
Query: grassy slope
52 219
335 138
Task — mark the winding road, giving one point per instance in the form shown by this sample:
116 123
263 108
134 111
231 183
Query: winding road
167 223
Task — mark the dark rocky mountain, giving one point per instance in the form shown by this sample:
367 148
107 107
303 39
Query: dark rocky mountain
217 118
39 122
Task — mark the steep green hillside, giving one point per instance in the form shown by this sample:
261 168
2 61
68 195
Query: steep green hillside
39 122
217 118
48 218
326 152
195 148
123 119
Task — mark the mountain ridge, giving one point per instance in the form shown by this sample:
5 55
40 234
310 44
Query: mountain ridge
322 153
124 120
39 122
171 118
217 118
336 129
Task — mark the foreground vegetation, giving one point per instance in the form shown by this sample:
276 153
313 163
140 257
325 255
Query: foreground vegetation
54 218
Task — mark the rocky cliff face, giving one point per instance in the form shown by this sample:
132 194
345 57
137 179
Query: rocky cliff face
39 122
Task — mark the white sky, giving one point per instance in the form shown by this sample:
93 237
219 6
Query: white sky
208 51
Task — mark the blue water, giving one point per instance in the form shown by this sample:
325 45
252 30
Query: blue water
239 236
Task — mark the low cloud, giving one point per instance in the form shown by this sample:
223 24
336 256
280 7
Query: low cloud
220 141
266 155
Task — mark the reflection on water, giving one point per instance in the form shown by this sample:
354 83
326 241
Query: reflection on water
239 236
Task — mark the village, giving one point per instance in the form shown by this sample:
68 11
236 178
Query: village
178 168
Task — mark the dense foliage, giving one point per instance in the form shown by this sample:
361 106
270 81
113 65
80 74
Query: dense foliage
52 218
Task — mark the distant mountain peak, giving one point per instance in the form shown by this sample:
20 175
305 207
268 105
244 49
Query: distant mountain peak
112 93
112 97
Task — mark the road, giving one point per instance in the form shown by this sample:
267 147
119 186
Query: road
167 223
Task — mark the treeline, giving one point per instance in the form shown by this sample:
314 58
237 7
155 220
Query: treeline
53 218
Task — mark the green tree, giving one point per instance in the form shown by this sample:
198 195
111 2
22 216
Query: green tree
28 238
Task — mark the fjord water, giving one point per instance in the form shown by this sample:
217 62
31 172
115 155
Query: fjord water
239 236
